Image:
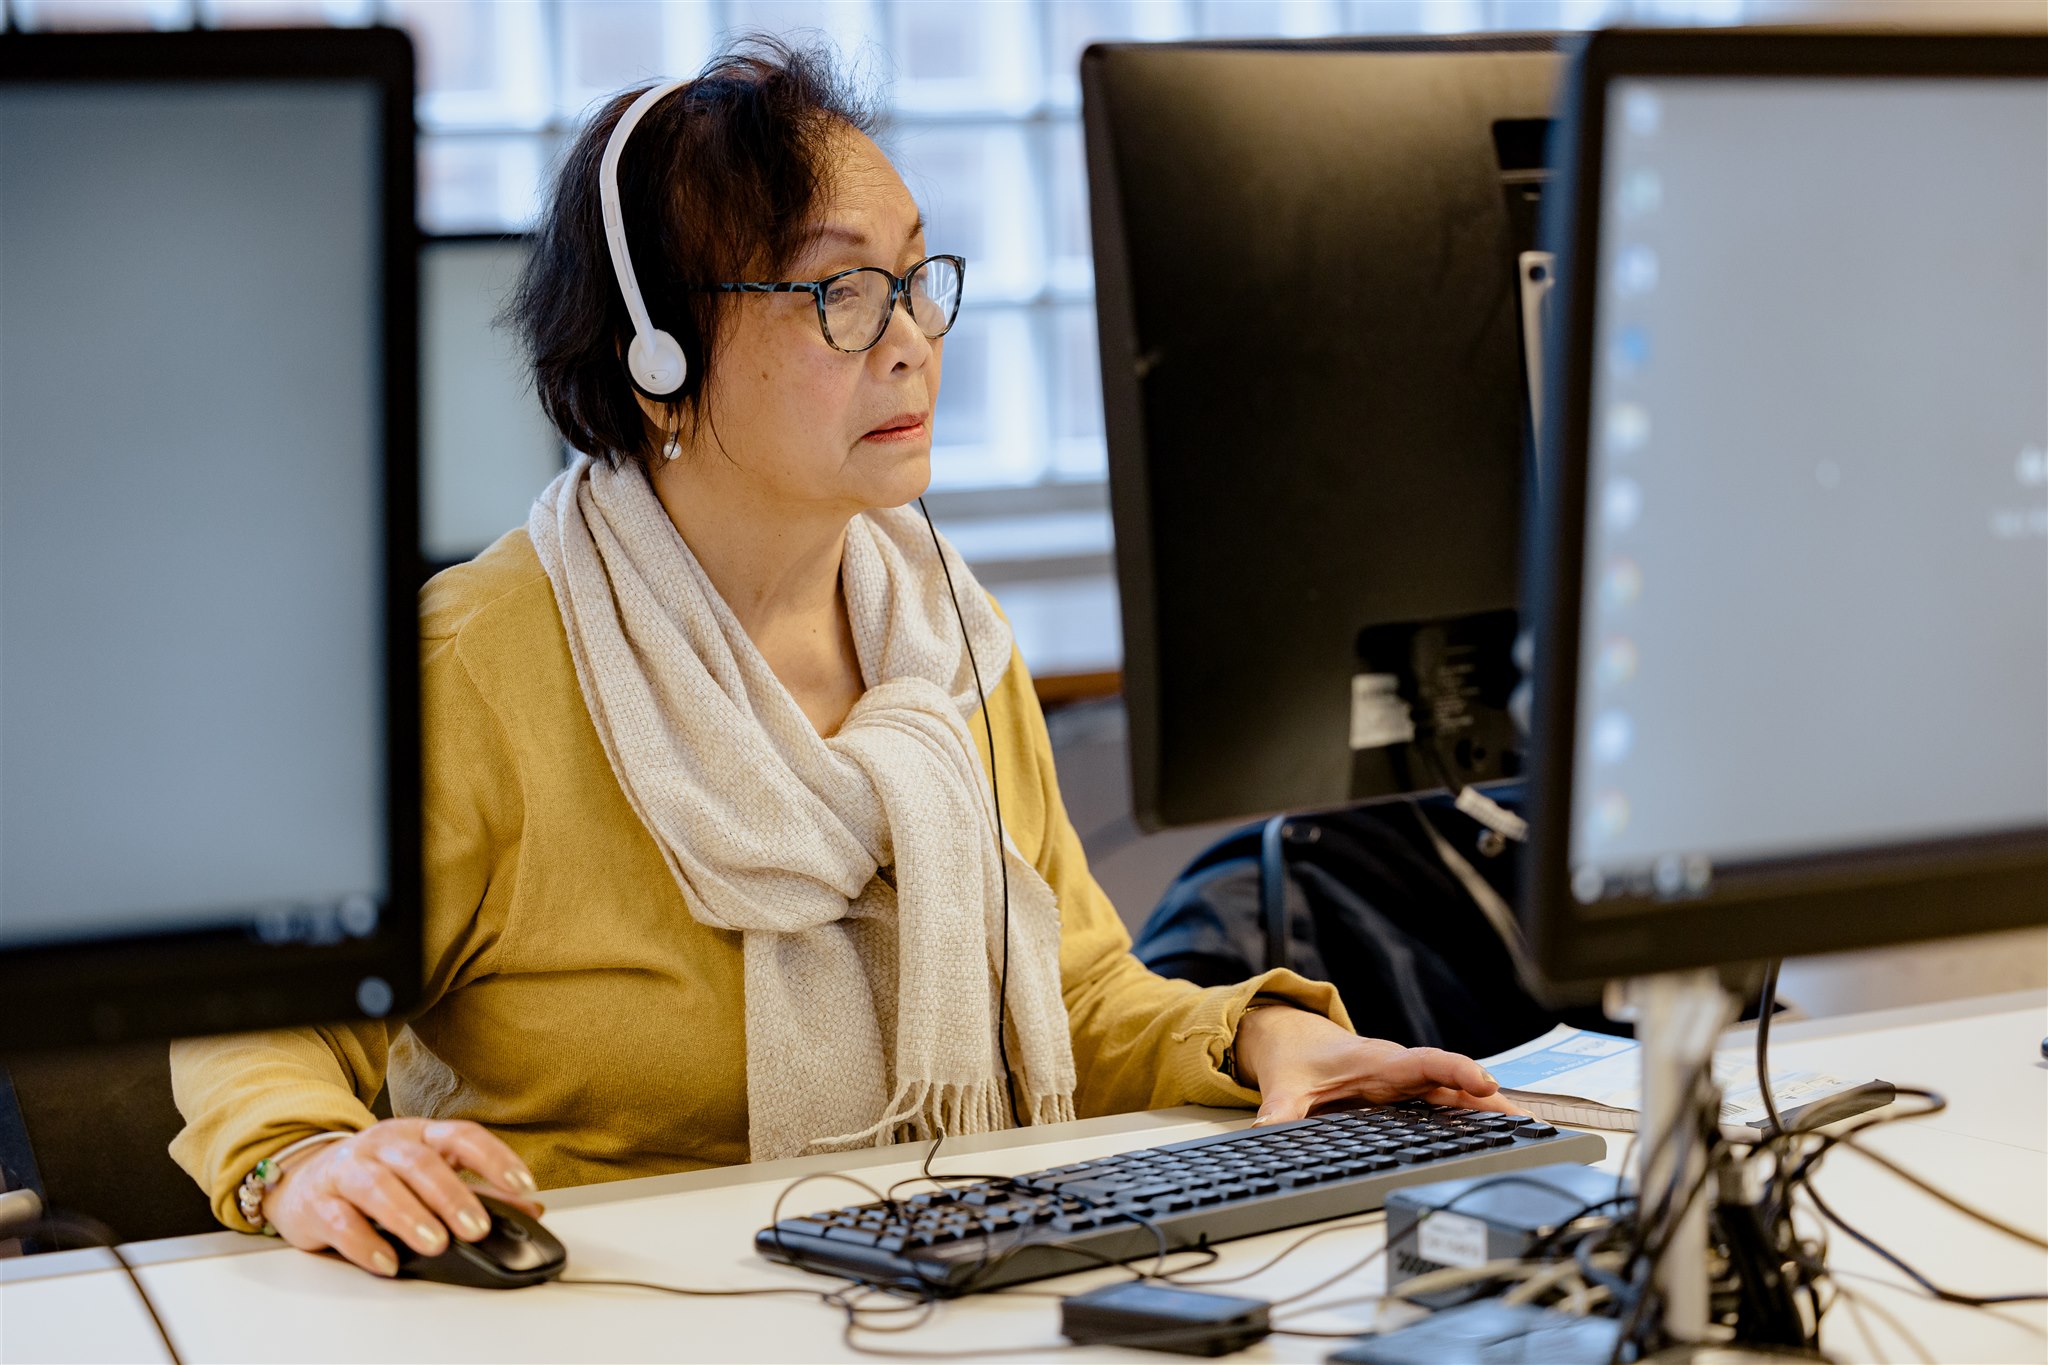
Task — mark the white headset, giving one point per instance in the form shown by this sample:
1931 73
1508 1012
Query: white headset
655 359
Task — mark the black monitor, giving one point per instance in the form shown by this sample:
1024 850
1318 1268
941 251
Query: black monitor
1791 576
209 716
1307 266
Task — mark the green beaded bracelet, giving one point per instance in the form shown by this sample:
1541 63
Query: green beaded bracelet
264 1177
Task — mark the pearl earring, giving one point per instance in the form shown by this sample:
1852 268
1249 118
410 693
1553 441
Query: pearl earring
674 445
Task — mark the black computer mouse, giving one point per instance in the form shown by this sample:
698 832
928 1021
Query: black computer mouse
516 1252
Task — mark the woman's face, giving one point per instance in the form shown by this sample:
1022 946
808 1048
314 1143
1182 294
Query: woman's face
801 421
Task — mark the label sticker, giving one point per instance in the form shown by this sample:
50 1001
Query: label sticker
1378 715
1452 1239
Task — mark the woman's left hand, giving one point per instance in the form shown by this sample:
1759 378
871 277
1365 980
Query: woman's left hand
1300 1062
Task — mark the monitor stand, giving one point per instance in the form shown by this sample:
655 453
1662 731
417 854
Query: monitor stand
1679 1016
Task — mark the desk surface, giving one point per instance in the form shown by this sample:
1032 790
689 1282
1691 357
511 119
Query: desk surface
235 1298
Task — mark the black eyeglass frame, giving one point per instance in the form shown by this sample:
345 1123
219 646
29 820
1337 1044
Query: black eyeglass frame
899 288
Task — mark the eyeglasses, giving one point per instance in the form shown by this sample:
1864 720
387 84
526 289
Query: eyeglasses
854 306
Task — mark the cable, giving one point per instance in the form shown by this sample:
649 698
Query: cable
1766 1005
1279 1256
996 796
99 1234
608 1283
1945 1295
1988 1220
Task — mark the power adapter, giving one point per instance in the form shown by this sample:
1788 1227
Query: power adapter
1469 1221
1156 1317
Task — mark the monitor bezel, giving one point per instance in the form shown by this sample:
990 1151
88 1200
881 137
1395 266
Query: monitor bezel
1834 901
217 981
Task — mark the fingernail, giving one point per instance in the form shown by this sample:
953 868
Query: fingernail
432 1237
473 1224
522 1182
1490 1080
385 1262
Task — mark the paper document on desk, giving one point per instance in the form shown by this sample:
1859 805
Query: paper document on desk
1594 1080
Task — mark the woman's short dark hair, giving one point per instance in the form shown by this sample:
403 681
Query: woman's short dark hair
718 182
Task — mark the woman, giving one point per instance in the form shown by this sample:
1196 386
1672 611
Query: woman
715 867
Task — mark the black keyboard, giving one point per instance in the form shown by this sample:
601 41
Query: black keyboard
1118 1208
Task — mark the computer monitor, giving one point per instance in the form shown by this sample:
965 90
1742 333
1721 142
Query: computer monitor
486 449
1307 281
1791 576
209 718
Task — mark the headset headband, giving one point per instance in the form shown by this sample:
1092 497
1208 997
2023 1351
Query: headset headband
654 360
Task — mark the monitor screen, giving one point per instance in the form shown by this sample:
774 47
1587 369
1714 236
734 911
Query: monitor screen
198 477
1814 599
486 449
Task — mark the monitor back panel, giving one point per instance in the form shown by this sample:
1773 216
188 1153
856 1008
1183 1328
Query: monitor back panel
1312 368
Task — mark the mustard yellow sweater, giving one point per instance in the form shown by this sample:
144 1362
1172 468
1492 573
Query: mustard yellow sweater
572 1004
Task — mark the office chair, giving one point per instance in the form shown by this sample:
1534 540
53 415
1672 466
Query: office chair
87 1129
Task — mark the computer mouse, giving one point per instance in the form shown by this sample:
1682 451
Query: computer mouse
516 1252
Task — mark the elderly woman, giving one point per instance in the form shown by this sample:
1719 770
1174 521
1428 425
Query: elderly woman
742 833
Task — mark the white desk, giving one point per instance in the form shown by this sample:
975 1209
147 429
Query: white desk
232 1298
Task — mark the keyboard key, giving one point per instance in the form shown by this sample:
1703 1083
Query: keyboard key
806 1227
857 1235
1539 1130
1095 1191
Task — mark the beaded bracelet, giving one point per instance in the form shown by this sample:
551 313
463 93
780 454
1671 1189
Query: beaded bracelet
270 1170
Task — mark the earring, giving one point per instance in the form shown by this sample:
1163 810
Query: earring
674 445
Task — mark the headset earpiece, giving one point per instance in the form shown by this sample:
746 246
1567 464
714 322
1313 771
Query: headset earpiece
654 360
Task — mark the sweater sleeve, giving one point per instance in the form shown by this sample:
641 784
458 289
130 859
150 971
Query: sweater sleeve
1141 1041
247 1096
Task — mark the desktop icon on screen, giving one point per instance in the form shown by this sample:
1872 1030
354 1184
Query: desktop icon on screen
1628 428
1642 112
1613 736
1641 193
1617 661
1635 272
1621 585
1630 351
1621 504
1610 816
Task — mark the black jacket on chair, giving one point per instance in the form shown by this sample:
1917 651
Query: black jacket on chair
1360 898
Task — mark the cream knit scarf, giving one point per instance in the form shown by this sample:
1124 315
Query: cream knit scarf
860 870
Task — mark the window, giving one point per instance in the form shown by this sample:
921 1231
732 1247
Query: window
982 117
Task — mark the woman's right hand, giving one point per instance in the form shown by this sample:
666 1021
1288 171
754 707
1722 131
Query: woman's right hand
399 1174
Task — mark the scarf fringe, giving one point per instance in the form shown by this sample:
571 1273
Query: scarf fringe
922 1111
